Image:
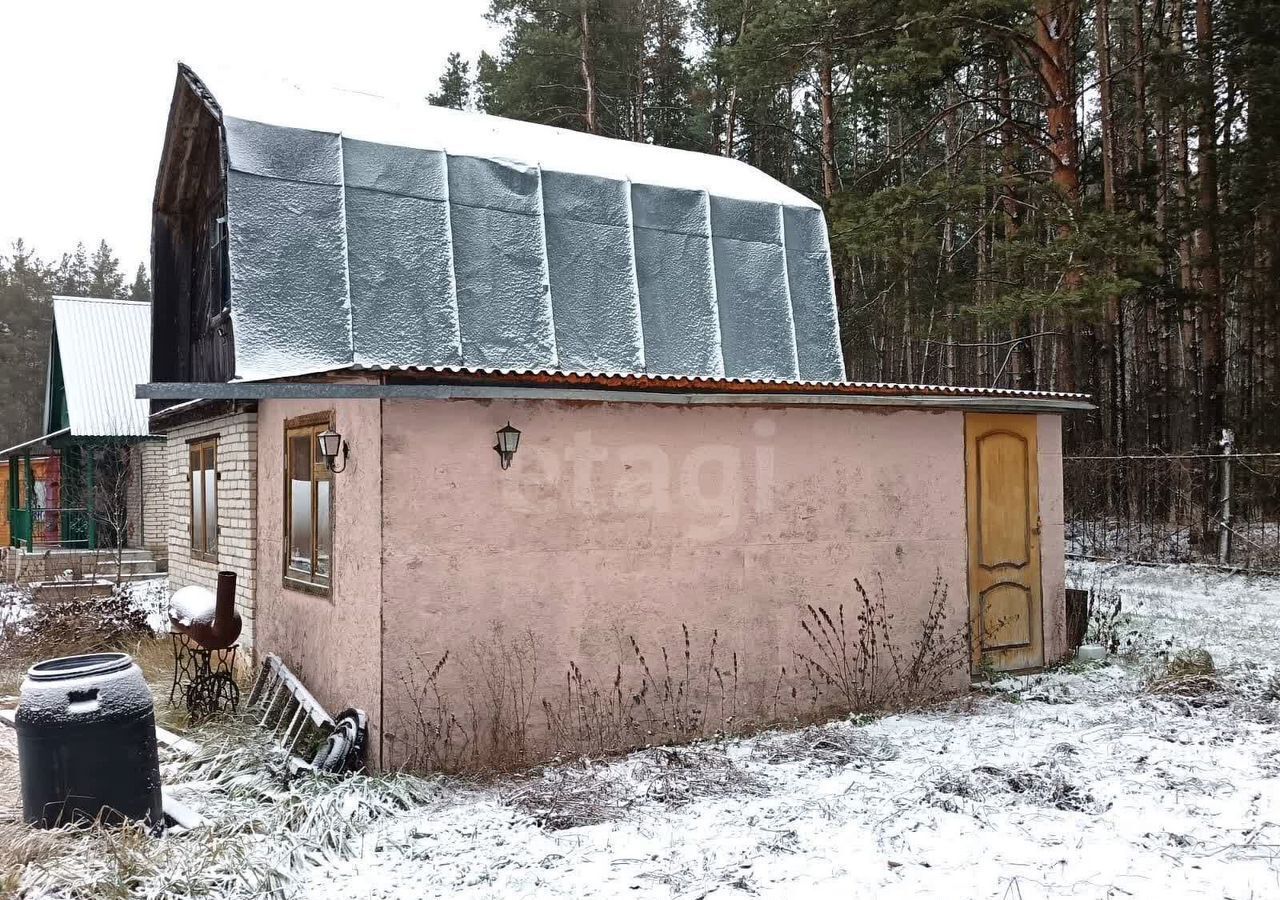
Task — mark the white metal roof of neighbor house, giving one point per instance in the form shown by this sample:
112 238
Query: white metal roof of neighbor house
368 232
104 349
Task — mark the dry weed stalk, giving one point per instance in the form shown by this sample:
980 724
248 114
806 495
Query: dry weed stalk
694 698
852 665
438 741
488 729
871 668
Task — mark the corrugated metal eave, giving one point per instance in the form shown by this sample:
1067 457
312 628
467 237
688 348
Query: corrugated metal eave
705 382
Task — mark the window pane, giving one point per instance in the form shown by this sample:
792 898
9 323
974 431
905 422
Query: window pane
210 506
197 501
197 514
324 532
300 505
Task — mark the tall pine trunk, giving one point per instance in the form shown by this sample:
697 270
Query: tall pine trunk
1055 40
587 64
1208 281
828 108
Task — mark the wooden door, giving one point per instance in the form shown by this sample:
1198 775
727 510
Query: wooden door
1002 489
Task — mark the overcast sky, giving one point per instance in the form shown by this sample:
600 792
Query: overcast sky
85 90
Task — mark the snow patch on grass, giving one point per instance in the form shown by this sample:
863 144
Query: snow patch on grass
15 605
151 598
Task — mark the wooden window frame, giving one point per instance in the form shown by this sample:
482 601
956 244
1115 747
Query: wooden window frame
313 424
204 447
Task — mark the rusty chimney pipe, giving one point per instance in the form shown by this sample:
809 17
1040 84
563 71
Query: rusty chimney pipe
226 621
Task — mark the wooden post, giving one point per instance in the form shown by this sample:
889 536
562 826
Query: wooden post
1224 524
14 491
31 506
90 500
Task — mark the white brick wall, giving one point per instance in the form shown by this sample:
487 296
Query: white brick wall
133 497
237 457
153 462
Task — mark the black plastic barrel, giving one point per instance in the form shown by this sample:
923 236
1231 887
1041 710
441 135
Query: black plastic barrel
87 742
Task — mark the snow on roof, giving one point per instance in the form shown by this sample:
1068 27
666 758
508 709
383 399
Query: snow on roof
366 231
104 349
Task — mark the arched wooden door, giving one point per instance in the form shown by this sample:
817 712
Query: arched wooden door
1002 488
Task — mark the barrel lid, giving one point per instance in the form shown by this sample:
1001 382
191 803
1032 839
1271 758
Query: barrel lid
86 664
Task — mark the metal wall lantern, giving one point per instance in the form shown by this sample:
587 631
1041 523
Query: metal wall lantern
330 443
508 441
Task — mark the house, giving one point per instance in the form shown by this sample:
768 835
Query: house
354 299
94 480
45 475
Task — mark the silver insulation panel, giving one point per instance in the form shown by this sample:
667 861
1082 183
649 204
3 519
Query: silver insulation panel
349 252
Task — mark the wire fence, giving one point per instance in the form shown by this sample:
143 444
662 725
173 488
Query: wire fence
1206 508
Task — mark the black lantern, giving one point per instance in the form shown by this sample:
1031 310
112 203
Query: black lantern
330 443
508 441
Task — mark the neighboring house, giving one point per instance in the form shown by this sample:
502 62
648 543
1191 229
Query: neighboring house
693 471
43 482
100 484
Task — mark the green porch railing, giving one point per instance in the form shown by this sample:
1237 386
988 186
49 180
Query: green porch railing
52 526
34 527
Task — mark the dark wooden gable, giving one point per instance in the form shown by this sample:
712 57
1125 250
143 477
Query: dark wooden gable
191 333
59 415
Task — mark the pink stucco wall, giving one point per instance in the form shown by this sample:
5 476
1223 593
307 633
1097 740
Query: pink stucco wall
332 643
621 521
615 522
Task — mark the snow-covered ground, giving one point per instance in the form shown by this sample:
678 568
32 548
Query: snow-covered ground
1075 783
1071 784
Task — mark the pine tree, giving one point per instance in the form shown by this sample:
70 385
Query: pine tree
26 286
73 275
141 288
667 78
612 67
105 278
1041 193
455 84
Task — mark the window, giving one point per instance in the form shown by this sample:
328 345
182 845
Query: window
308 505
203 475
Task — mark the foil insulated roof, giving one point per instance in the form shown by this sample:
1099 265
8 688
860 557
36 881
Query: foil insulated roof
104 349
368 233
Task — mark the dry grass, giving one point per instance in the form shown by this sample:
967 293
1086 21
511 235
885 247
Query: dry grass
70 627
152 654
837 745
1048 783
569 796
263 828
66 627
675 776
1190 675
589 792
10 796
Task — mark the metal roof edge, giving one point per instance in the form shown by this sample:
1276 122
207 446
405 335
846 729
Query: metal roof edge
376 391
616 380
31 443
67 297
630 381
